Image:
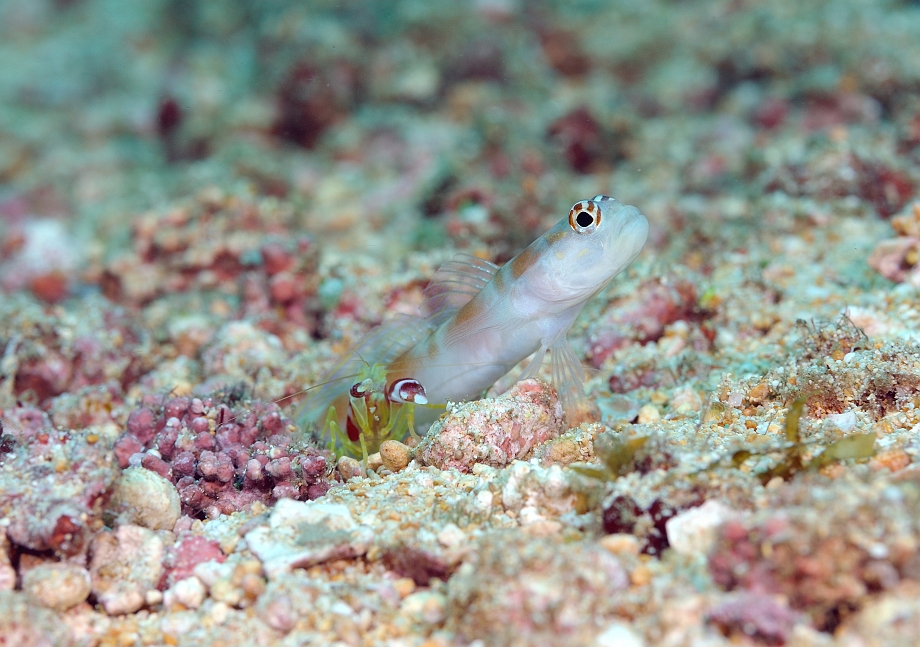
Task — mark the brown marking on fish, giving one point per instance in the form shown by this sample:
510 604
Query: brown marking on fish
433 346
554 237
498 282
522 262
468 312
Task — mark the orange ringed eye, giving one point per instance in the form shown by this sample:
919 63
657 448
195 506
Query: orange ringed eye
584 217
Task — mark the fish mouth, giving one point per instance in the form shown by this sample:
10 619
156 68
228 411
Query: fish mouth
628 238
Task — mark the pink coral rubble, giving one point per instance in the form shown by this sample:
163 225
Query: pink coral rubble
494 431
221 459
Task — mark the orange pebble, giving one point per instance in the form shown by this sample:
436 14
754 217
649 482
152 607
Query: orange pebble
893 459
50 287
759 392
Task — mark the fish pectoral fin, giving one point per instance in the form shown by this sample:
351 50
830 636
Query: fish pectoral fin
569 379
455 284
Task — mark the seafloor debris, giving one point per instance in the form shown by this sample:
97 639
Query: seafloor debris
25 622
823 552
218 243
641 317
755 615
54 486
57 585
143 497
88 355
494 431
38 255
234 195
189 551
125 564
299 536
516 591
898 259
222 457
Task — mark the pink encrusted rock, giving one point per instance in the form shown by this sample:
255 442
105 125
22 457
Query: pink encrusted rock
25 622
142 424
494 431
896 259
183 556
124 565
127 446
53 484
758 615
519 590
640 317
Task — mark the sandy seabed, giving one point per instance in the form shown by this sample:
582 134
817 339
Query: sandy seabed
204 204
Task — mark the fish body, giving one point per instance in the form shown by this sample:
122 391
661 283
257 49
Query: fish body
482 320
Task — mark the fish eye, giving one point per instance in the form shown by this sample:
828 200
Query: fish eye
585 217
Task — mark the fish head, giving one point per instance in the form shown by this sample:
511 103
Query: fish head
599 238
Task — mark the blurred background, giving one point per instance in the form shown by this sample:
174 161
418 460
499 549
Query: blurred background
307 165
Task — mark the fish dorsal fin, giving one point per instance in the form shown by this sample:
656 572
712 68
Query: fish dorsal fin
382 345
455 284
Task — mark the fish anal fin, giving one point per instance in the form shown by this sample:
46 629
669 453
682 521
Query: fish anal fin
455 284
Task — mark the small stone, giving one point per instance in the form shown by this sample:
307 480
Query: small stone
7 572
57 585
212 571
759 392
220 612
125 564
693 531
451 536
252 585
395 455
225 591
278 612
686 401
426 607
404 586
561 451
348 468
186 554
374 462
641 575
618 634
303 533
844 422
145 498
189 592
893 460
25 623
620 544
648 413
